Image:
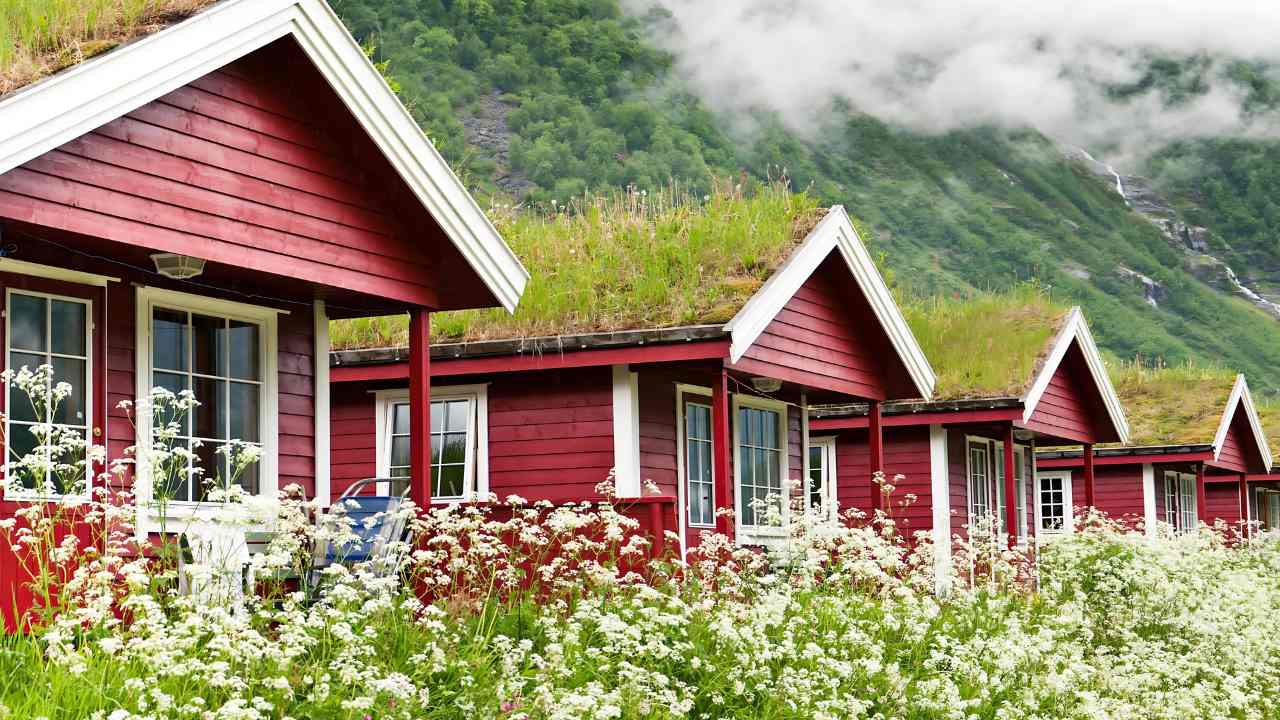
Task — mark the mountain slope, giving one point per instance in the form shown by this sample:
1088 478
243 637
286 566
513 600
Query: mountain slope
546 99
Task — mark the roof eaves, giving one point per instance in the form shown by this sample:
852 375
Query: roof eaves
533 345
1240 395
75 101
915 407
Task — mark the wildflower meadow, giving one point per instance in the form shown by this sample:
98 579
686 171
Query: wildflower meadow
523 610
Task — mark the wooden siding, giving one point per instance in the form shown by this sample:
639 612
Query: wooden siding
1240 451
353 439
254 166
1117 491
906 453
1071 407
825 337
658 430
1222 501
958 480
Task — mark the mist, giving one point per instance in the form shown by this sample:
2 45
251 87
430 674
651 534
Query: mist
934 65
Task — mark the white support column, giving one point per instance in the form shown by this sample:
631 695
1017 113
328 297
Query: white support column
940 494
323 458
626 431
1149 499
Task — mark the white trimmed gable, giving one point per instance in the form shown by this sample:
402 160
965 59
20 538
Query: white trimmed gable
78 100
1241 396
1076 330
834 231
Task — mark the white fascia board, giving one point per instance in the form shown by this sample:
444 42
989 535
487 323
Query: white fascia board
91 94
834 231
1240 394
1076 329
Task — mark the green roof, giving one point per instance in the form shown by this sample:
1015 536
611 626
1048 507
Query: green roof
41 37
626 261
1178 405
988 344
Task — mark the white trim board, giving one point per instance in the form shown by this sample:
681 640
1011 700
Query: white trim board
49 272
834 231
940 495
626 431
322 440
71 103
1240 394
1076 329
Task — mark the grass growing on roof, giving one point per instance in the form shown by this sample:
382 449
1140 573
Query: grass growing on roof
1172 405
988 344
626 261
40 37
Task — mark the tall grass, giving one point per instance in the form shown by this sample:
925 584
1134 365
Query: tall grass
987 344
39 37
626 260
1172 404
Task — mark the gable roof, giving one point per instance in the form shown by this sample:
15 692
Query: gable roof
834 232
86 96
1075 332
1187 405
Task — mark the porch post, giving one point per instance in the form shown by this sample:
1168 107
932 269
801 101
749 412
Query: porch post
875 440
720 451
1010 489
1088 475
1202 498
420 406
1244 505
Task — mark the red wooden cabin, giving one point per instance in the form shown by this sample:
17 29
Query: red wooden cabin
964 456
254 139
1198 451
713 413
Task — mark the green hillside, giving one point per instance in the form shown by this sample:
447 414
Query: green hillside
543 100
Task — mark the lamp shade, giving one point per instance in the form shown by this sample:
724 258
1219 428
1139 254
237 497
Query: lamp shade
178 267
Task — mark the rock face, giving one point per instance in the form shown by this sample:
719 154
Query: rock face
487 130
1140 194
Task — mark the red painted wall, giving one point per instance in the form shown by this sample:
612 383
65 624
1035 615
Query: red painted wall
658 430
257 166
906 453
1117 491
825 337
1222 500
1240 451
1071 407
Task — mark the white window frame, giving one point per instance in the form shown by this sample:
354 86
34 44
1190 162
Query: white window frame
1271 522
1184 520
995 491
476 472
761 533
969 442
146 300
1068 507
683 393
827 444
89 392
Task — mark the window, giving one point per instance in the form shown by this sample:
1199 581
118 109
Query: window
1268 508
760 437
459 441
54 331
1054 497
979 481
698 463
224 353
820 489
1180 501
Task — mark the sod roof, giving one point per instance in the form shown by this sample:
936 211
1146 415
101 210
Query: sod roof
40 37
989 344
628 261
1178 405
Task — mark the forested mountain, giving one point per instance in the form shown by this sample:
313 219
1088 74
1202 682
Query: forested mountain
542 100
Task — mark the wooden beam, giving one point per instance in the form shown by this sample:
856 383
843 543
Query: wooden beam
1088 475
720 449
1202 499
1154 459
420 406
875 433
942 417
1010 488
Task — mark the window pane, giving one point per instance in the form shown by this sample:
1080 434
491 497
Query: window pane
21 444
211 413
69 327
27 323
22 407
437 417
244 412
402 471
455 448
435 449
249 479
169 339
208 345
769 429
449 482
242 339
400 451
214 464
457 416
71 409
174 384
174 483
400 418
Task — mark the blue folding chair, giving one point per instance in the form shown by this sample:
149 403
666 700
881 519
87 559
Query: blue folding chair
375 520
